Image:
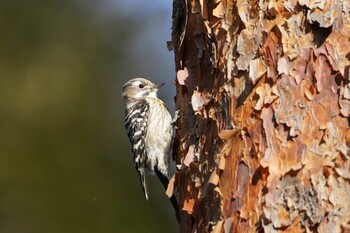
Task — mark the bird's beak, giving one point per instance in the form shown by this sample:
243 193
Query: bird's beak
160 85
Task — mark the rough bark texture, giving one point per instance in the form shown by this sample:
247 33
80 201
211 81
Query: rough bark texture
263 145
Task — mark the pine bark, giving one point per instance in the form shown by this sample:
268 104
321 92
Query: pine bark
263 142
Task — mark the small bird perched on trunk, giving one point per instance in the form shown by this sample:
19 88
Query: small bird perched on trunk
149 126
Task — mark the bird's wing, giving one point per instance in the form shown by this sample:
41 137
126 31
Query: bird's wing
136 126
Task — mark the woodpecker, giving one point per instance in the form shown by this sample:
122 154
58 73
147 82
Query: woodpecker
149 126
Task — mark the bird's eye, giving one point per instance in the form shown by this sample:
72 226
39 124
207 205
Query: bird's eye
141 86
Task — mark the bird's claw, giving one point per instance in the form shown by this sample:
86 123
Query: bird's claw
177 115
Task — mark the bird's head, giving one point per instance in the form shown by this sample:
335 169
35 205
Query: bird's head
137 89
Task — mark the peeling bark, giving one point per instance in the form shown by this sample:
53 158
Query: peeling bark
263 145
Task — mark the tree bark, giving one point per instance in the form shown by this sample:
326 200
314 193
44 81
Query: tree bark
263 143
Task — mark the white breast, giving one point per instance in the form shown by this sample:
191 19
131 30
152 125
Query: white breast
159 136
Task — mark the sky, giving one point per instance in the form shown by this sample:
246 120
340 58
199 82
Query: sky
152 40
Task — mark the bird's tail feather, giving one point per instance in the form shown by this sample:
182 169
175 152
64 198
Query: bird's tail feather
165 182
143 182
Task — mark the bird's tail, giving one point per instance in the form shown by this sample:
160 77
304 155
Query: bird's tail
165 182
143 182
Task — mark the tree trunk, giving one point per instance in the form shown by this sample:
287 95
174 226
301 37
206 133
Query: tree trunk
263 145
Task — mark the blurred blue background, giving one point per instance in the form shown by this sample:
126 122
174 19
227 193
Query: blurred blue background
65 161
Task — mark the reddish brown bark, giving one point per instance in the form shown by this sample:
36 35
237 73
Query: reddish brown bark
263 145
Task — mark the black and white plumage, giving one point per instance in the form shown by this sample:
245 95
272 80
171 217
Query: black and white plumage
150 130
136 127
